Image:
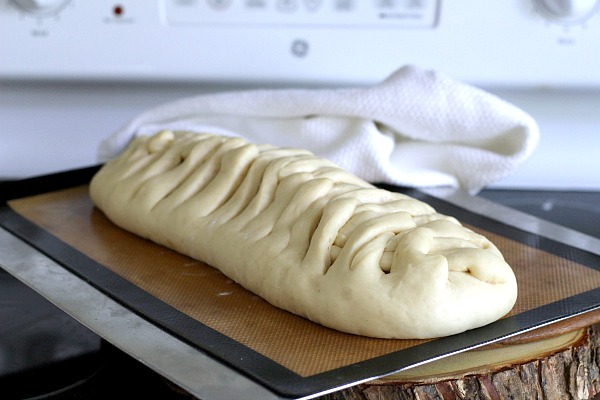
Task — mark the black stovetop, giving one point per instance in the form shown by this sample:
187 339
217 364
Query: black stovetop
46 354
576 210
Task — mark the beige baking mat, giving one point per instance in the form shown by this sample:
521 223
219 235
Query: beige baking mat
209 297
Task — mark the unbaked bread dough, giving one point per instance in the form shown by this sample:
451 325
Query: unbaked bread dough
307 236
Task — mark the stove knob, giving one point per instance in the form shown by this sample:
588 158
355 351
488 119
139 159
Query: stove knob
41 7
567 11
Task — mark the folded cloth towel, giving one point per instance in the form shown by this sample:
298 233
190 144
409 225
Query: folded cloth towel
417 128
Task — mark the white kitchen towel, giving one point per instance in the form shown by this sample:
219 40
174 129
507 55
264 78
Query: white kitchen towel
417 128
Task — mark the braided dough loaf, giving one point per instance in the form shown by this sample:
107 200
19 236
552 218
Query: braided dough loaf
307 236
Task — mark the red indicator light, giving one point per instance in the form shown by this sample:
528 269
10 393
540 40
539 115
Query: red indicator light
118 10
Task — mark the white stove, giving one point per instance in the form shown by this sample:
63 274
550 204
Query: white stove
73 71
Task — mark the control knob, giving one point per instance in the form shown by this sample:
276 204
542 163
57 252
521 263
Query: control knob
567 11
41 7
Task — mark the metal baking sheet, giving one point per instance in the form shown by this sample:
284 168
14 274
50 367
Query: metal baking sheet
210 361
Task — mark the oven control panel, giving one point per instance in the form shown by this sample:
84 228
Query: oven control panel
508 43
310 13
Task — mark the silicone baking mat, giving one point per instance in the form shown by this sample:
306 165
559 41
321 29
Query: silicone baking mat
289 355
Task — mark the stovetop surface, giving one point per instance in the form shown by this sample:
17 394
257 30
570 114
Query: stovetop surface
576 210
46 354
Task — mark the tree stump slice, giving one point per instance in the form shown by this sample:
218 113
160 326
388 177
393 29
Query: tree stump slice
551 363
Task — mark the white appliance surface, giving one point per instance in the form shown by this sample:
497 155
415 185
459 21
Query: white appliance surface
73 71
